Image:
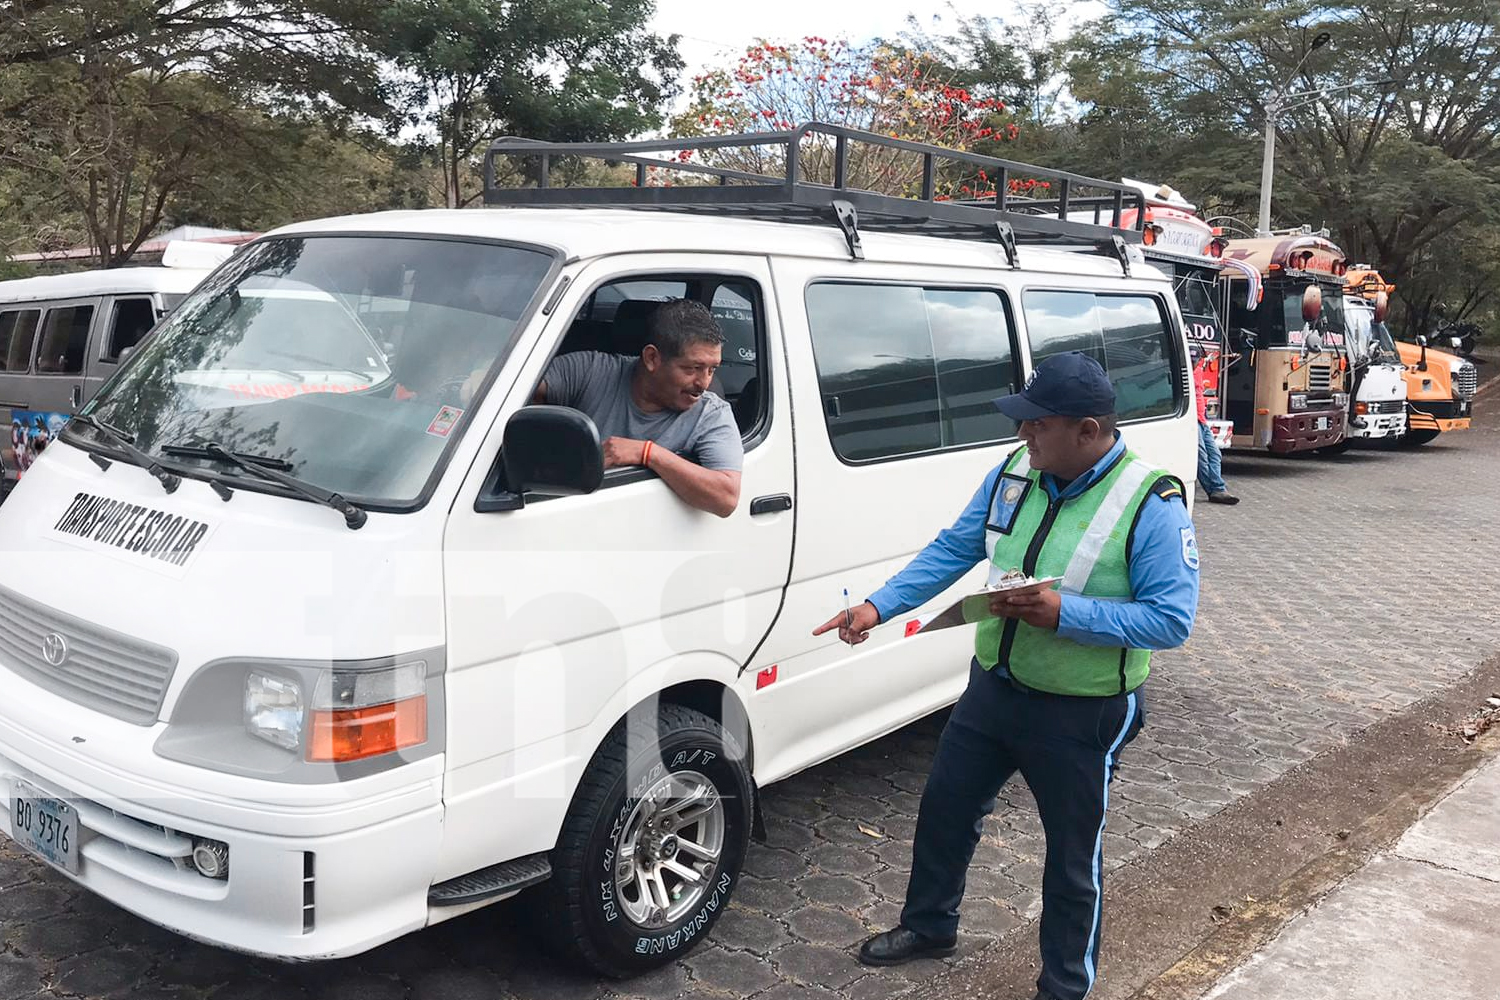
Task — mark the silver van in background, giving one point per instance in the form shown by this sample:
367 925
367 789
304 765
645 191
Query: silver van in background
63 335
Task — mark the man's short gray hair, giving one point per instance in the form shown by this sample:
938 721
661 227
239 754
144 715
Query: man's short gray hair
677 324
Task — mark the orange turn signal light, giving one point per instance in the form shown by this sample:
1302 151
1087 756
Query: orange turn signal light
342 735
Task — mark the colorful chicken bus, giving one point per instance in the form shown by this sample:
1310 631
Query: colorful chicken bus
1189 251
1289 391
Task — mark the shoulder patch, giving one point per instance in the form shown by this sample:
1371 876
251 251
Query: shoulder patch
1168 487
1189 548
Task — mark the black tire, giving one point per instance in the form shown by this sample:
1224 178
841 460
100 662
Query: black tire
1413 438
1337 448
582 914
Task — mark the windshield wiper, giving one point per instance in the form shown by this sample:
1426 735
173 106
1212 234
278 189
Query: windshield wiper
126 443
265 467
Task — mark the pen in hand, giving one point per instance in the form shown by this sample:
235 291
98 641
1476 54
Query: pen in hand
848 618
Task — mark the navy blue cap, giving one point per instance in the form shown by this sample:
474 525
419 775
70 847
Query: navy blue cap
1064 385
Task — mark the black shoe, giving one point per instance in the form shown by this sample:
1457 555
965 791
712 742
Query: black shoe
900 945
1226 497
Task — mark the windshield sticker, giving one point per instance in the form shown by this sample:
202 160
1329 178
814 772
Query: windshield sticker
155 538
442 424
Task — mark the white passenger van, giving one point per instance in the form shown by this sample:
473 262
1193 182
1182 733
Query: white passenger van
304 650
63 335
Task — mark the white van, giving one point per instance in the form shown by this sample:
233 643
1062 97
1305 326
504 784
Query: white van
63 335
301 732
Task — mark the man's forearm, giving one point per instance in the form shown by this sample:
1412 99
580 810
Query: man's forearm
713 490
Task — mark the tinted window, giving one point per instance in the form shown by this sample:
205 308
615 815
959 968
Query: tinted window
17 336
133 317
733 307
65 339
1127 334
907 369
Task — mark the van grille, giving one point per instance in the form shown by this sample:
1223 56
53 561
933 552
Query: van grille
1319 377
1388 406
101 669
1467 382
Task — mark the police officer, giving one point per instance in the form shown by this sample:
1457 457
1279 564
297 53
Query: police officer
1055 684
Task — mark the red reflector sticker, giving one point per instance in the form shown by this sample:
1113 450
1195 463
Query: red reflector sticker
914 626
766 677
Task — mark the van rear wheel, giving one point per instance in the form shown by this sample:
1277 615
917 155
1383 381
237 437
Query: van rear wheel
652 845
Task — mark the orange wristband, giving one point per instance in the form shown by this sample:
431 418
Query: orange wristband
646 455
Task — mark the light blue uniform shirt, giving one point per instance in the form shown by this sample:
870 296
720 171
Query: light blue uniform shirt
1163 559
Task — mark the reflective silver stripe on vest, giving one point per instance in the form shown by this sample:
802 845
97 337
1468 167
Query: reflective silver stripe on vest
1081 566
992 538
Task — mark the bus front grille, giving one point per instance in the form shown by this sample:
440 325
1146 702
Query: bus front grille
1319 378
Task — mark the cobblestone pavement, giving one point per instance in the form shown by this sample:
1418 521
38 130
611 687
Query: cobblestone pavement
1340 591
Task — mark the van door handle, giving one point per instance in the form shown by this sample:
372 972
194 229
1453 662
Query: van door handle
77 396
772 504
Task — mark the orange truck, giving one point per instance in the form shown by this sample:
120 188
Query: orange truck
1440 387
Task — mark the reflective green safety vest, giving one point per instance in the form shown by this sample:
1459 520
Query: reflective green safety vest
1084 540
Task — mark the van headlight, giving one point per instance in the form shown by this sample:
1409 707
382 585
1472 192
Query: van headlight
274 709
310 720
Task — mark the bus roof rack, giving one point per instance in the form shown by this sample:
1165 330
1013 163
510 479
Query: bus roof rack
1006 219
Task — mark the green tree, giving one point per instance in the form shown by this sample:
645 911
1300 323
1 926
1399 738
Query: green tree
113 108
563 70
1394 168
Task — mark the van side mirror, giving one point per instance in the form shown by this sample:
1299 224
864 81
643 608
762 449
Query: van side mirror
546 449
1421 340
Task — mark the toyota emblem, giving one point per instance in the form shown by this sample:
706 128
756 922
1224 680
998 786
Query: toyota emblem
55 649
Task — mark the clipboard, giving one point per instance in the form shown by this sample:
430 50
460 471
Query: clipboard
976 607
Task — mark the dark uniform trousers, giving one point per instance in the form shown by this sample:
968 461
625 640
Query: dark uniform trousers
1066 747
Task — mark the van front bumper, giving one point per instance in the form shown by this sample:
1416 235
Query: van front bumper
1307 430
314 875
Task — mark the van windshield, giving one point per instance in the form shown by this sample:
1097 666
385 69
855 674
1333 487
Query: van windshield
345 359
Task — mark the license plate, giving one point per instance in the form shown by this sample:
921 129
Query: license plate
45 826
1322 424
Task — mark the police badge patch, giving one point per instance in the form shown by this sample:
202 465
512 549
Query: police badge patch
1010 493
1189 548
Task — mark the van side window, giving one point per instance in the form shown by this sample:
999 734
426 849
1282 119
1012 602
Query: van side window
17 337
65 340
132 318
613 320
1128 335
907 369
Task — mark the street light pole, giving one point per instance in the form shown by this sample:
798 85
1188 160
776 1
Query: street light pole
1273 108
1268 159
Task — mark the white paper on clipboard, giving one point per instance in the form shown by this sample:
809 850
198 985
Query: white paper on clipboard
976 607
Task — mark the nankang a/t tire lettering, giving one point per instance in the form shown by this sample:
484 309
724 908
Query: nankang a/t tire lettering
652 846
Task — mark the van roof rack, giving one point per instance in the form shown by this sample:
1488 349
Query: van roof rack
1007 219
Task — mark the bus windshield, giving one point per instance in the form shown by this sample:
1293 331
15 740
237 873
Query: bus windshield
348 362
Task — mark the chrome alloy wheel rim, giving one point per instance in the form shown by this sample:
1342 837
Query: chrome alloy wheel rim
667 853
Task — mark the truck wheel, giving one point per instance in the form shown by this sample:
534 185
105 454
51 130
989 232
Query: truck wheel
652 845
1412 438
1337 448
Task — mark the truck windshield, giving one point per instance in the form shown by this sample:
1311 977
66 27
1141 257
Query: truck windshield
344 359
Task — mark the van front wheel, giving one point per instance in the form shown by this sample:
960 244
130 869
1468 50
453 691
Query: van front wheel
652 845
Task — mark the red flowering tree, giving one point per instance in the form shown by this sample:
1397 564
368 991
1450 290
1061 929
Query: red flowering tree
892 91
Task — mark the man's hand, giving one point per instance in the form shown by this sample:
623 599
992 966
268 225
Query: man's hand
1040 609
854 627
620 451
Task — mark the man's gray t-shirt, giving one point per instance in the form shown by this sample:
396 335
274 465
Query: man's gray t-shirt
599 385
